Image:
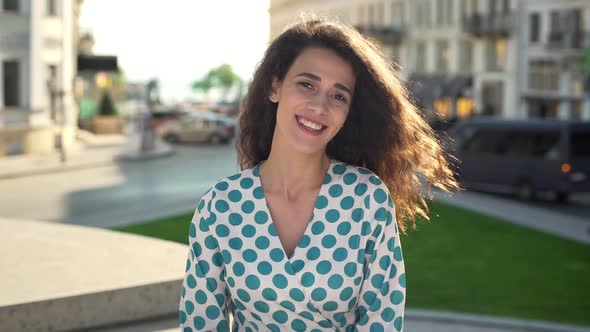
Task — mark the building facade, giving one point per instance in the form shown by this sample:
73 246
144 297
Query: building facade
472 57
38 65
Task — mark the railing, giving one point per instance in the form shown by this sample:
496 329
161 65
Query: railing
568 40
385 34
489 25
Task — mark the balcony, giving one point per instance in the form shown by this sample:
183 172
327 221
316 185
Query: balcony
384 34
493 25
568 40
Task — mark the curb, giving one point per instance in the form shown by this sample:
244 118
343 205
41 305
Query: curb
475 320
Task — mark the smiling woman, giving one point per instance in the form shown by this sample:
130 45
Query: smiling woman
306 236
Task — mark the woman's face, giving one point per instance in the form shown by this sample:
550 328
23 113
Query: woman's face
313 99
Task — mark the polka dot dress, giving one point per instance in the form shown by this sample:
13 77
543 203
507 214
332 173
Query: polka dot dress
346 273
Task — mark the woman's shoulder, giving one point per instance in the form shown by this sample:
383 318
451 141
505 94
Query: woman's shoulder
240 181
349 173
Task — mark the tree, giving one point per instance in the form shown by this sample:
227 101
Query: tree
222 77
153 92
106 107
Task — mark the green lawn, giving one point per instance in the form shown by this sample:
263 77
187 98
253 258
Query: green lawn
468 262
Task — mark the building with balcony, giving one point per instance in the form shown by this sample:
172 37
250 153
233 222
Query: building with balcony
471 57
38 64
555 37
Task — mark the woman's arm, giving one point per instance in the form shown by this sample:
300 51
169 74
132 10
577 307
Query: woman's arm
203 300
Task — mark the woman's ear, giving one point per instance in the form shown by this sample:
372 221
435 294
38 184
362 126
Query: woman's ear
273 96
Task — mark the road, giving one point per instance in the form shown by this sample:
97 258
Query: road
131 192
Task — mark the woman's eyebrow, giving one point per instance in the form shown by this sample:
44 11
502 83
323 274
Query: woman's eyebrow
317 78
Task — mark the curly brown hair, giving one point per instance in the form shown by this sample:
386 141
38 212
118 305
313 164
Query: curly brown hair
384 132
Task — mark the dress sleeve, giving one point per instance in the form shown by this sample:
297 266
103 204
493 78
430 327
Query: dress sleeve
383 292
203 300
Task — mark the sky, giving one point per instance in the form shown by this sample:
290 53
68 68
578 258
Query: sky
178 41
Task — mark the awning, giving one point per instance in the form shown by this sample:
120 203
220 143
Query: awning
425 89
457 87
97 63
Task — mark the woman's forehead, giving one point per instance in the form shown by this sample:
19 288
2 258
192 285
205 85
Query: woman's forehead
324 63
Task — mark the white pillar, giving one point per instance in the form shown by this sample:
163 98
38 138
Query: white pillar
564 108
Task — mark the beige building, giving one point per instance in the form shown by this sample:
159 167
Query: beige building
463 57
38 65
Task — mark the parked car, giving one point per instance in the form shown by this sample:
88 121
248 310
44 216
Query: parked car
523 157
198 127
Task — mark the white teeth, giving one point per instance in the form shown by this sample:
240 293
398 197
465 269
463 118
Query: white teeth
309 124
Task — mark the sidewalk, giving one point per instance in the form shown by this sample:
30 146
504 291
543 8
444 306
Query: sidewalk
89 151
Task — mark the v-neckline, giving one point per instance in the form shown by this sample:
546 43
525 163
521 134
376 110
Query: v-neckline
272 229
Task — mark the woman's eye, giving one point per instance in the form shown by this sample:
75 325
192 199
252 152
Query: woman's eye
340 98
306 85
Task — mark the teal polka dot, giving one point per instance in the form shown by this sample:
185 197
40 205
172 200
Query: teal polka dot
248 207
222 326
235 219
305 241
222 230
192 231
349 178
191 281
273 327
358 214
181 317
335 190
276 255
235 196
369 296
340 254
375 180
217 259
344 228
319 294
269 294
397 254
381 214
360 189
222 186
249 231
280 316
288 305
243 295
396 297
258 193
221 206
366 228
347 202
317 228
249 255
398 323
388 314
264 268
201 297
339 169
296 295
212 312
332 215
235 176
236 243
377 281
252 282
324 267
279 281
246 183
335 281
354 242
313 253
298 325
328 241
350 269
377 327
272 230
346 294
307 279
261 306
261 217
239 269
262 242
211 284
367 201
297 265
190 307
199 322
321 202
384 263
327 178
330 306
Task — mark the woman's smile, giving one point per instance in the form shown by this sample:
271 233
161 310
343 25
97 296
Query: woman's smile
308 126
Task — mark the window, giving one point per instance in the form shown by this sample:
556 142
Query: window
496 54
543 75
51 8
486 142
11 83
442 56
535 25
580 147
533 144
421 57
466 56
10 6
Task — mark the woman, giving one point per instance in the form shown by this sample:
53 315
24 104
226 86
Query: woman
306 237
